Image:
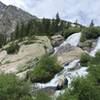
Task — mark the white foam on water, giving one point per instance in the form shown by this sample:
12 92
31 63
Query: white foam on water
92 53
73 40
68 74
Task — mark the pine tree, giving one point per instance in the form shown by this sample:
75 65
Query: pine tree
15 35
92 23
46 26
57 23
3 40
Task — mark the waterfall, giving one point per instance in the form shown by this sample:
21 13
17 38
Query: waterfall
92 53
73 40
68 74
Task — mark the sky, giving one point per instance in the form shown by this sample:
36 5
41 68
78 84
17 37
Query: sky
82 10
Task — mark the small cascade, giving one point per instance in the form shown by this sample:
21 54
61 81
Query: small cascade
92 53
73 40
67 74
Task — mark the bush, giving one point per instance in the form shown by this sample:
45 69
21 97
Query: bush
84 60
42 96
12 48
12 88
71 30
90 33
67 96
81 89
94 68
85 89
45 70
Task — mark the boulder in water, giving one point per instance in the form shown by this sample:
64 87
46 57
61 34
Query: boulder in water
62 81
69 55
87 45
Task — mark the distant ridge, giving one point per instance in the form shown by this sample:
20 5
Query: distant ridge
10 16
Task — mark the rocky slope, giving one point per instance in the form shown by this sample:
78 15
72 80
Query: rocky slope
27 56
10 16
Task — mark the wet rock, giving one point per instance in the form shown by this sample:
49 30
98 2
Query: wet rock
87 45
62 81
68 54
56 40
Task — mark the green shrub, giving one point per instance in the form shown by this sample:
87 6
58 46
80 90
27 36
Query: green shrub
12 48
67 96
42 96
94 72
90 33
85 89
82 89
84 60
12 88
71 30
45 70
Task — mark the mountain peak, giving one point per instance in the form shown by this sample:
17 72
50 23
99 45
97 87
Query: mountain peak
10 16
2 7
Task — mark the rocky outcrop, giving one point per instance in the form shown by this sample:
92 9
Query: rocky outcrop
68 54
10 16
27 56
56 40
88 45
2 8
62 81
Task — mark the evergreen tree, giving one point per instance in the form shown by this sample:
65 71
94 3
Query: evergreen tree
22 30
15 35
92 23
3 40
57 22
45 25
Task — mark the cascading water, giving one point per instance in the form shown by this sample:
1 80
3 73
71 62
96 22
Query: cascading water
73 40
92 53
67 74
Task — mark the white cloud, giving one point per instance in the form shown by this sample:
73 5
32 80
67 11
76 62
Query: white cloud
82 10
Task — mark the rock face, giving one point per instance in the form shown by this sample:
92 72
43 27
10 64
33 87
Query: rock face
10 16
68 53
27 56
57 40
87 45
2 8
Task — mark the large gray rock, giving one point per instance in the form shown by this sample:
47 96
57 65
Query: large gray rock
66 55
56 40
88 45
27 56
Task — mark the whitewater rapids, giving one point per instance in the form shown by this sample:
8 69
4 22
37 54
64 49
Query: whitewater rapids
73 40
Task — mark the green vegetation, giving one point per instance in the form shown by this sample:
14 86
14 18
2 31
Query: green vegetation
69 31
86 88
90 33
84 60
45 70
12 88
12 48
42 96
41 27
3 40
46 27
